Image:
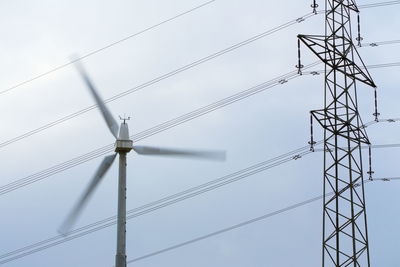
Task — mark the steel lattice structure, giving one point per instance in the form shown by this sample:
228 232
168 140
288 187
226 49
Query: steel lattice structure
345 236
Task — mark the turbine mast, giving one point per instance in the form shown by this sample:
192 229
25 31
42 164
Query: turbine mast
122 146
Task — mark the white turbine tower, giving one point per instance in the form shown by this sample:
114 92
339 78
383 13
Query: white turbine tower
123 145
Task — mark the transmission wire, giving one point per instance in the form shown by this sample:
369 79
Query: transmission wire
59 67
161 203
152 131
160 78
379 4
245 223
165 76
169 200
375 44
78 113
146 256
105 47
157 79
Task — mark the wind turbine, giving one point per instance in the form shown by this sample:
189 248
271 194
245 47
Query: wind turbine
123 145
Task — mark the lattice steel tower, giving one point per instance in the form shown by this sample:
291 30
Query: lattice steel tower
345 237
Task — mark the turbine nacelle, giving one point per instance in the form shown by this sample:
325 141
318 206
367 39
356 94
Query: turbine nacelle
123 143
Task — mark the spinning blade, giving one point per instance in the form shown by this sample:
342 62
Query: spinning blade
171 152
111 123
72 217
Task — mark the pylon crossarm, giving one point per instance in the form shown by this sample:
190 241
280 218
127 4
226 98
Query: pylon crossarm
326 49
339 126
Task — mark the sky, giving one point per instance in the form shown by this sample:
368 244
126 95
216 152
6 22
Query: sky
38 36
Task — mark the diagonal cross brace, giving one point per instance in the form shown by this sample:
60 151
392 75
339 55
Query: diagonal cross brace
321 46
330 122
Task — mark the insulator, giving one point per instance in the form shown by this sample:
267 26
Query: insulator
314 6
359 38
282 81
311 142
376 113
299 66
370 172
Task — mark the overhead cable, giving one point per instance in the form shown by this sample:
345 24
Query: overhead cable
372 66
59 67
379 4
245 223
376 44
227 229
83 111
372 5
158 79
293 155
106 47
152 131
22 182
158 204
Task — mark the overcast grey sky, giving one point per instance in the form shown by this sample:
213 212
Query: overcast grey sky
40 35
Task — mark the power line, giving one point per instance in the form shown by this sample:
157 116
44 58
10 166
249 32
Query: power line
83 111
386 179
152 131
387 65
166 201
375 44
380 121
106 47
245 223
227 229
388 3
162 77
59 67
22 182
367 146
372 5
372 66
158 79
158 204
230 228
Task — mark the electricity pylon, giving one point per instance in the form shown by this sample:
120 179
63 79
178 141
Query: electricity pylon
345 236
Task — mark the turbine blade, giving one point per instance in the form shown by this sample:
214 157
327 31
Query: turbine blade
74 214
111 123
217 155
